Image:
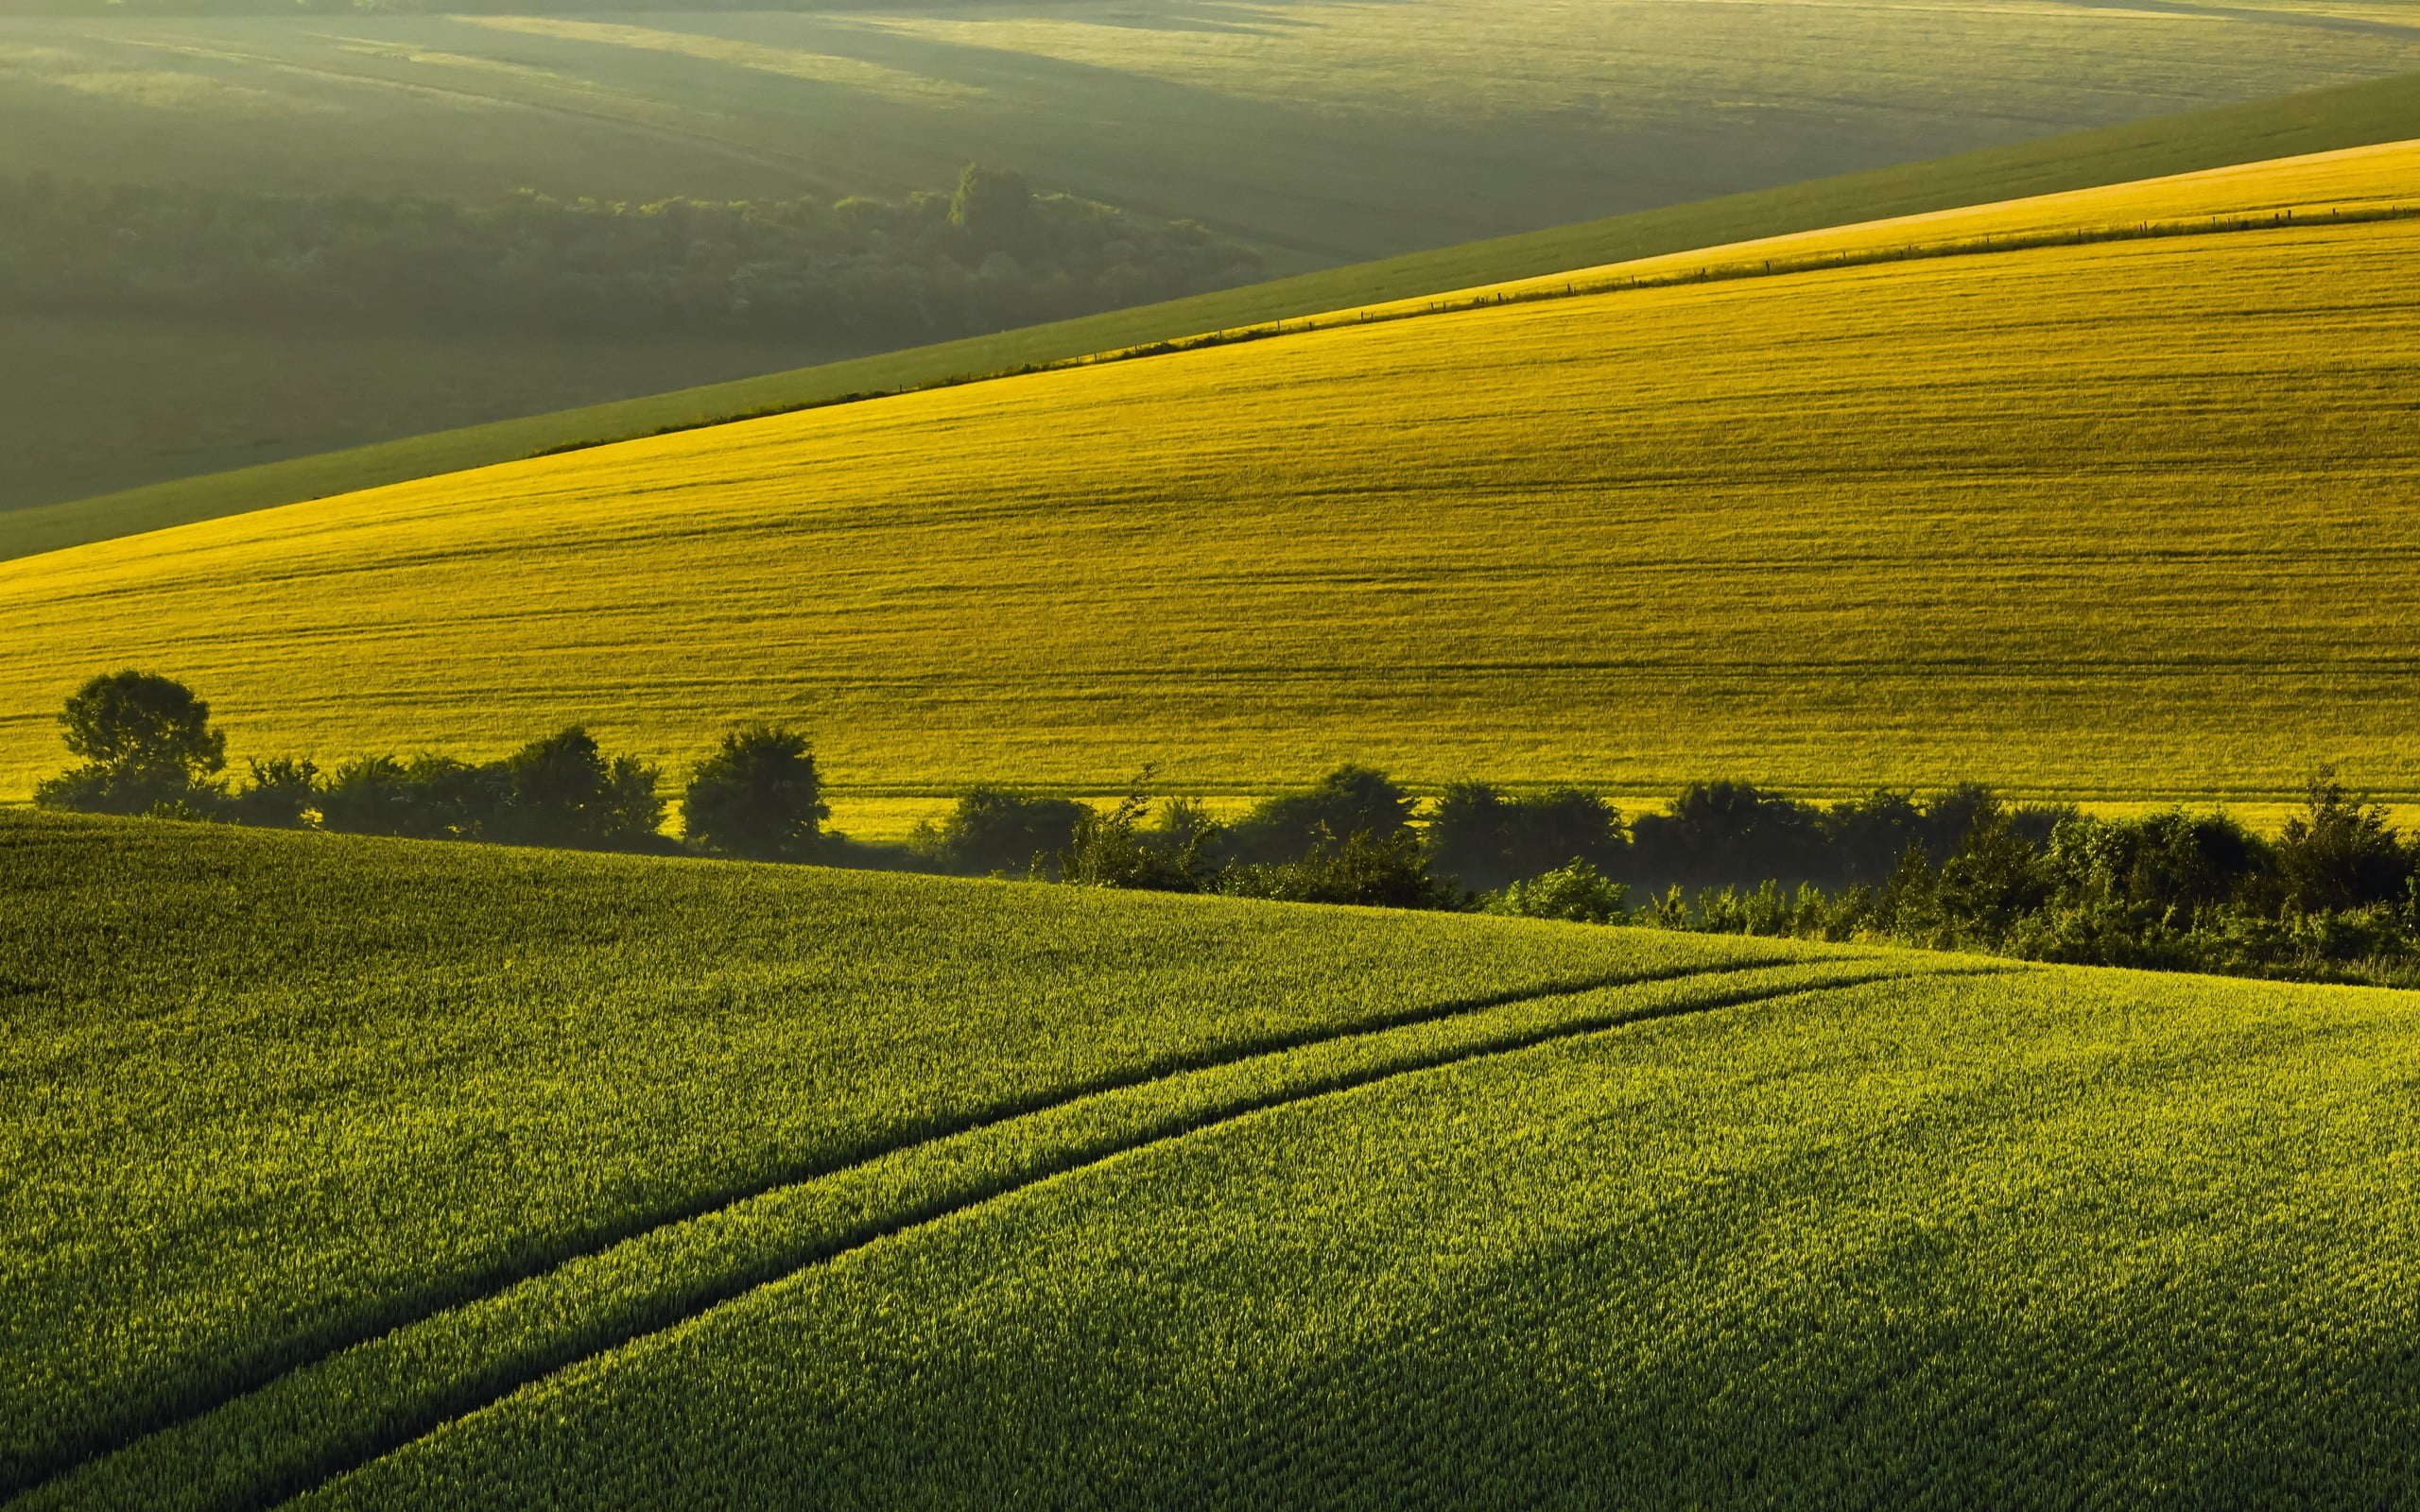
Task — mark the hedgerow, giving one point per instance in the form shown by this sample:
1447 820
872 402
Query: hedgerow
2335 896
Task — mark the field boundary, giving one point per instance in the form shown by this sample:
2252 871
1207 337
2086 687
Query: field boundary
136 1427
1025 1168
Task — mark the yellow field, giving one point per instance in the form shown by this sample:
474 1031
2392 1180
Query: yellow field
2116 521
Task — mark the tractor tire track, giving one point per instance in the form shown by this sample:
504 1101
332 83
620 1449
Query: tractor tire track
244 1378
396 1431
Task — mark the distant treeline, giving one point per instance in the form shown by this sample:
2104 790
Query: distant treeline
990 256
2334 896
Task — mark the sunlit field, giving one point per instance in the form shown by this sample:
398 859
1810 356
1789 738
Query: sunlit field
1320 134
1180 755
420 1175
1905 522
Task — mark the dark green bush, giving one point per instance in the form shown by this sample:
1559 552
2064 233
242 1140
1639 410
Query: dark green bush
758 796
281 793
560 791
1578 893
1116 848
1373 871
1723 831
1486 838
1349 800
427 798
564 791
2341 852
994 832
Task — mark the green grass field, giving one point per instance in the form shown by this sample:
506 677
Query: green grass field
1322 132
395 1175
1907 522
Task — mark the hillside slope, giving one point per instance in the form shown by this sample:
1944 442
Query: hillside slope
2352 116
1322 133
2116 519
423 1176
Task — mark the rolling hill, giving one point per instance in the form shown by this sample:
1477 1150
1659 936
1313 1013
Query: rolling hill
1324 133
2116 518
384 1175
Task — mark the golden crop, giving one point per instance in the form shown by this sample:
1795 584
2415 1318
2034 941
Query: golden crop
2113 520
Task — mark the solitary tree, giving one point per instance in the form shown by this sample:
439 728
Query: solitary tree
759 796
147 743
138 722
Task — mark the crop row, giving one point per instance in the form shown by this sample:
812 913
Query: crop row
277 1094
2045 1239
338 1413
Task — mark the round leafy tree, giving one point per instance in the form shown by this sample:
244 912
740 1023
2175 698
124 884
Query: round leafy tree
759 796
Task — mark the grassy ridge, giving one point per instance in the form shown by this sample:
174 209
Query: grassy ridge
2320 121
277 1095
2020 497
710 1199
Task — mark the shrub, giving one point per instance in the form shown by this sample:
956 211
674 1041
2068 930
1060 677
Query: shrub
1349 800
1865 837
758 796
1116 849
2339 853
1579 893
994 832
1484 839
1995 878
564 791
429 797
1390 873
1722 830
282 793
560 791
2172 866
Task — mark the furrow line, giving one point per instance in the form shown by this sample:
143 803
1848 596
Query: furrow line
976 1177
244 1379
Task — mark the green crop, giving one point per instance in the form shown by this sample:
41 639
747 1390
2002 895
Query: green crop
2049 1239
274 1096
403 1176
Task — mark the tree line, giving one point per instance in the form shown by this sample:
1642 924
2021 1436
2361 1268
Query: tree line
2335 895
990 256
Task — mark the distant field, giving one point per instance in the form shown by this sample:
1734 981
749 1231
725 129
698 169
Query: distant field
2113 522
409 1176
107 403
2355 115
1322 132
1335 131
